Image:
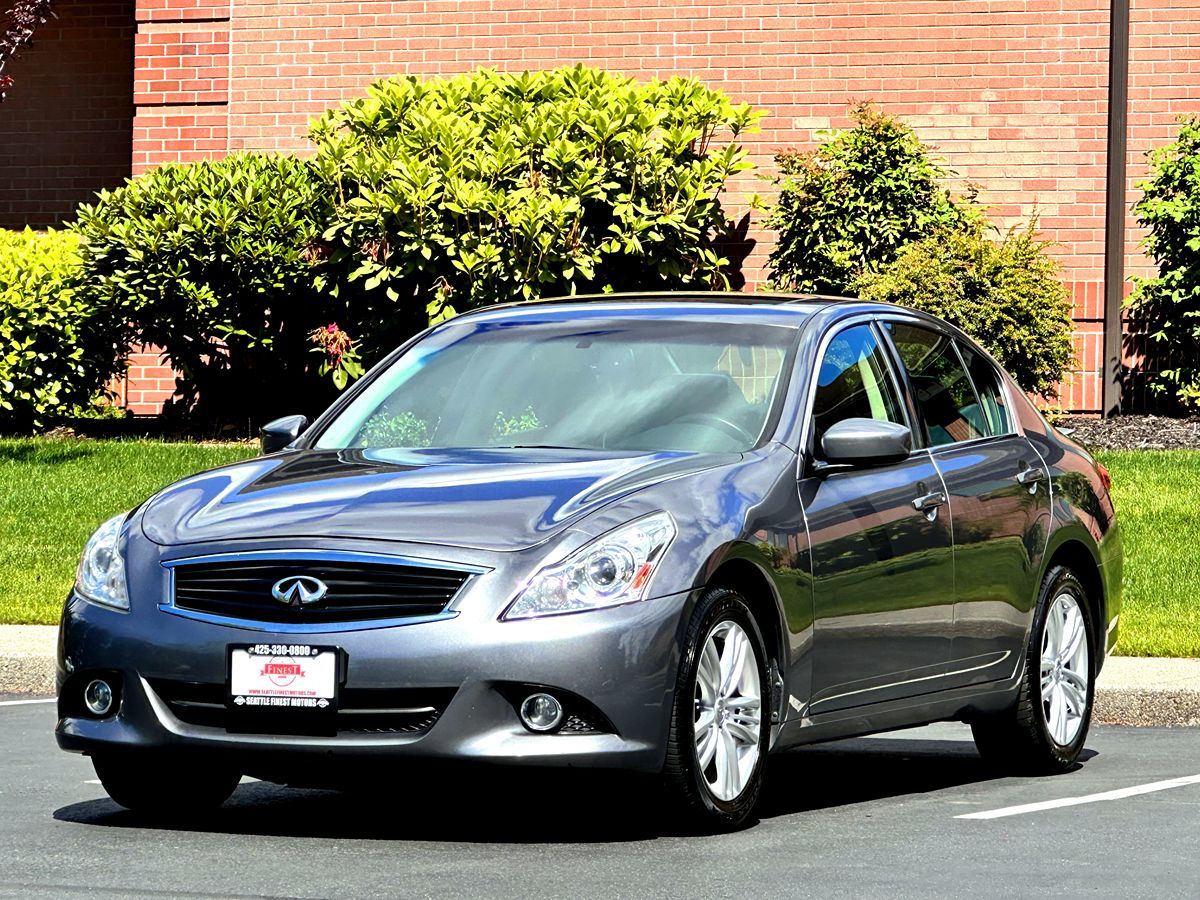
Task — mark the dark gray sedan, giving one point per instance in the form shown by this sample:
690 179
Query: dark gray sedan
662 533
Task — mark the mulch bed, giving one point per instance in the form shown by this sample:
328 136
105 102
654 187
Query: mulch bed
1134 432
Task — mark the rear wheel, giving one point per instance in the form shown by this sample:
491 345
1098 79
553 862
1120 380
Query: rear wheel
1046 729
719 729
164 787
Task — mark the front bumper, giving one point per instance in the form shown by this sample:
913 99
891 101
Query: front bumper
622 661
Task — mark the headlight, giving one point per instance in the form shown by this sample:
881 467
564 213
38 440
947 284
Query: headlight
613 569
101 573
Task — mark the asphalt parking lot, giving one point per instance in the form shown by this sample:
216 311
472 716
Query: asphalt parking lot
866 818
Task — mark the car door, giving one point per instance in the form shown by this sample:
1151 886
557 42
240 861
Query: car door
998 494
880 543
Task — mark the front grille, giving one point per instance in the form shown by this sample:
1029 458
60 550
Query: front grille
400 711
358 591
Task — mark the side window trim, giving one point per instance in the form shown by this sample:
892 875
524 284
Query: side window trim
894 373
954 342
916 421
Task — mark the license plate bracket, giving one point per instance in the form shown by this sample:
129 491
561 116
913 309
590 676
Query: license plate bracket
283 688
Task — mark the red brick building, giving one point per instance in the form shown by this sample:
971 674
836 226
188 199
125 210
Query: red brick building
1013 93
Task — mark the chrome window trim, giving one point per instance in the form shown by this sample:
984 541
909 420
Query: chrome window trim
167 604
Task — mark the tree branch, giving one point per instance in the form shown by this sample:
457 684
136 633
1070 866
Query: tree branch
17 30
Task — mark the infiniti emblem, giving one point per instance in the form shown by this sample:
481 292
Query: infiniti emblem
299 590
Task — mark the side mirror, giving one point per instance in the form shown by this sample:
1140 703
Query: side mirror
866 442
278 434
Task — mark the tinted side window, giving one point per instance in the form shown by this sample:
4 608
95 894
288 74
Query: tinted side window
991 394
944 393
854 382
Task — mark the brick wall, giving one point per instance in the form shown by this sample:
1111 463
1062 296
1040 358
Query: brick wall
65 129
181 81
147 384
1012 92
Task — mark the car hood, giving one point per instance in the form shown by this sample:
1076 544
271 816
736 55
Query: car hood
495 500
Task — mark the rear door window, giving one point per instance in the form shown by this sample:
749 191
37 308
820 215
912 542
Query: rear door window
989 390
943 392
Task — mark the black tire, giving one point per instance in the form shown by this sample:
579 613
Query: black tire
695 805
164 787
1019 739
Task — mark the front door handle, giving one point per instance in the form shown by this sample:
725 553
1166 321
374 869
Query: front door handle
928 503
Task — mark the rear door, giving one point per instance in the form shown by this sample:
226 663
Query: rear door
998 492
882 569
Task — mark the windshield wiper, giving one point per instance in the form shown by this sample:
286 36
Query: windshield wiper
536 447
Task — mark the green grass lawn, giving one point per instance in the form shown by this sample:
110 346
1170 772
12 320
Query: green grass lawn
1157 494
53 493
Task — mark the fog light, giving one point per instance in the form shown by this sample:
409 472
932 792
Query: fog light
541 712
98 697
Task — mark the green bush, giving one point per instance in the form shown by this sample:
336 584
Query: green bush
1166 309
1006 294
55 350
453 193
849 206
212 261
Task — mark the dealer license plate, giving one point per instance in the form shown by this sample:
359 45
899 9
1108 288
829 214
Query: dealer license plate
287 688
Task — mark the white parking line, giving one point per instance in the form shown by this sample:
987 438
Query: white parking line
1119 794
24 702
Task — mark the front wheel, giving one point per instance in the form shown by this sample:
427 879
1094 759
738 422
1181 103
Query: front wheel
1046 729
719 725
162 787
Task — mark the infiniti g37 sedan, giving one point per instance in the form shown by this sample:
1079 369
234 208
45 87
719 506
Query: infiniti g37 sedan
663 533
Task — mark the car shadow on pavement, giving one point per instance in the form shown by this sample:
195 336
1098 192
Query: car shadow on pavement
522 806
843 773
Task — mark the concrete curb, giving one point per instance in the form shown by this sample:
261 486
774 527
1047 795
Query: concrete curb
27 654
1131 691
1149 692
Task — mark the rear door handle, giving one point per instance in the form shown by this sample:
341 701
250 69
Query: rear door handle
929 501
1032 475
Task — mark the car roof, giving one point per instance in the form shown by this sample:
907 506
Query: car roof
773 308
777 308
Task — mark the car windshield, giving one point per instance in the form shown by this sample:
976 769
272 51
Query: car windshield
629 384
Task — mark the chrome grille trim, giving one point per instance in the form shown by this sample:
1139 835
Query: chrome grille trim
168 604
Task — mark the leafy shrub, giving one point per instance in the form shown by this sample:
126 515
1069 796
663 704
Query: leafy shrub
55 350
1006 294
211 261
849 206
1166 309
486 187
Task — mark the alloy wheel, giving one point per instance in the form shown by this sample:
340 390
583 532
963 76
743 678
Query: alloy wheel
728 710
1065 670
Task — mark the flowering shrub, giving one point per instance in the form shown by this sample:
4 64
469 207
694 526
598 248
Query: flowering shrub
341 356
